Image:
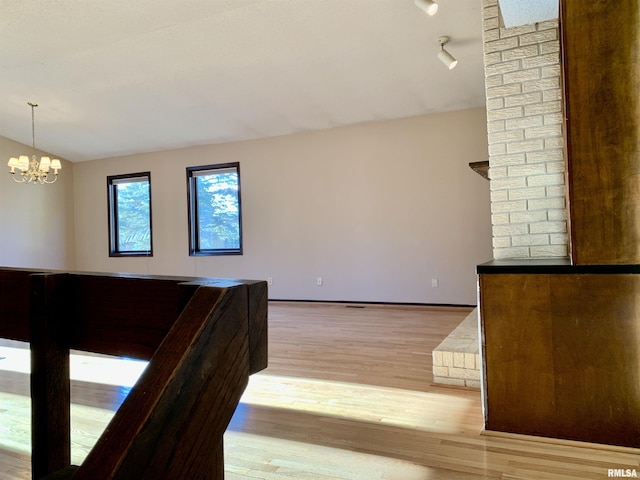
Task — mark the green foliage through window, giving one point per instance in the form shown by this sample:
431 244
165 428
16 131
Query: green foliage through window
215 226
130 214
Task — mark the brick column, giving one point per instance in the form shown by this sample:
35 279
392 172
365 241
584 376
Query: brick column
524 118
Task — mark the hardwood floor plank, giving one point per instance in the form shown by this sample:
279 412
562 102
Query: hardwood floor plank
348 394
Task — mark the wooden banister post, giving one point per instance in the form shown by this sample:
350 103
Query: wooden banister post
50 384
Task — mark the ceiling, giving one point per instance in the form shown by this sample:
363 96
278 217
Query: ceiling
117 77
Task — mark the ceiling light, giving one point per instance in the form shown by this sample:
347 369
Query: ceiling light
429 6
34 171
444 56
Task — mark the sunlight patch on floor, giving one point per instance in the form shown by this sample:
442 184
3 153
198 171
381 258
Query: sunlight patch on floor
85 368
388 406
258 457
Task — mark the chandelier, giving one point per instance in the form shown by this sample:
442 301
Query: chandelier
31 170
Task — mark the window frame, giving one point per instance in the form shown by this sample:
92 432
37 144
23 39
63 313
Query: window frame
193 215
112 208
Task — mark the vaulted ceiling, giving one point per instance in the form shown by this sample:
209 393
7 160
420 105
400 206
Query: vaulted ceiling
119 77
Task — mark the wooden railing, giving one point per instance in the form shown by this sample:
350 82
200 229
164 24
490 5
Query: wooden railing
202 337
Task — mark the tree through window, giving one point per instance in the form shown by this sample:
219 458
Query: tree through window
215 226
130 214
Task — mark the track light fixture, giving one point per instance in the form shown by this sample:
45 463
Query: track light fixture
429 6
445 57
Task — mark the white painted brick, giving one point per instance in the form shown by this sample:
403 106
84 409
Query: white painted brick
500 242
497 172
440 371
495 103
549 95
505 113
548 227
529 240
472 383
503 91
490 11
507 183
546 204
490 23
506 136
458 360
553 118
545 156
541 85
513 252
501 44
557 191
525 218
523 99
447 359
525 122
488 4
517 31
538 37
556 142
520 53
553 106
510 206
502 68
497 149
521 76
492 58
527 193
548 24
549 47
510 230
550 71
549 179
500 218
490 35
525 146
470 360
464 373
555 167
505 160
437 358
543 131
494 81
500 196
557 215
540 61
526 170
559 239
495 126
549 251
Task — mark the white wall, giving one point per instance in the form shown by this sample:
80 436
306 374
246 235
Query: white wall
377 210
36 221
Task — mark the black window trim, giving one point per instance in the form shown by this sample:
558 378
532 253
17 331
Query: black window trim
112 208
192 212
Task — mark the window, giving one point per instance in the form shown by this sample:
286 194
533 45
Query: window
215 223
130 215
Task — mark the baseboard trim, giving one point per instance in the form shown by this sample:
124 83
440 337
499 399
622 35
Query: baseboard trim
377 304
560 441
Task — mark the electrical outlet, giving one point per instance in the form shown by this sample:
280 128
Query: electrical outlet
319 281
435 283
269 280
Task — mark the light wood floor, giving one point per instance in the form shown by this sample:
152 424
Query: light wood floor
347 395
